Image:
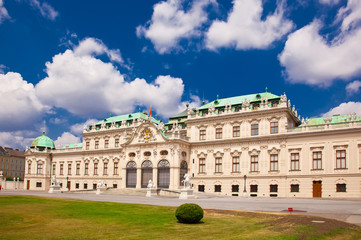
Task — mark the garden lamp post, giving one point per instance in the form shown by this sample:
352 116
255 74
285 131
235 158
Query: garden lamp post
245 184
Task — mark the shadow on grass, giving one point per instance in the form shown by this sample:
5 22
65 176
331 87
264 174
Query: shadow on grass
200 222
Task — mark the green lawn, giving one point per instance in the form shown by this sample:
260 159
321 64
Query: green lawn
47 218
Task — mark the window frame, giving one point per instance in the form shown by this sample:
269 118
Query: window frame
218 165
274 127
341 160
219 133
202 165
317 160
295 161
254 163
254 129
235 164
236 131
274 166
202 134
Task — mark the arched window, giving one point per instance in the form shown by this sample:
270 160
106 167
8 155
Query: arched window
163 174
147 173
164 153
132 154
147 154
131 172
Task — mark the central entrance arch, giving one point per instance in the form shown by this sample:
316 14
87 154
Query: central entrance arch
163 173
131 170
147 173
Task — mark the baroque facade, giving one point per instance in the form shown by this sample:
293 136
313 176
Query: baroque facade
252 145
12 163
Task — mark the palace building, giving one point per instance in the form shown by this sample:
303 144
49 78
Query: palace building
252 145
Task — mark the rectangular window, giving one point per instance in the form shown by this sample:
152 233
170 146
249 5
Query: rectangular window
295 161
69 168
95 168
273 188
200 188
236 131
235 188
295 188
77 185
202 134
202 165
29 168
105 170
218 133
217 188
39 169
254 163
274 127
116 144
86 169
341 159
106 143
341 187
78 169
235 164
87 145
274 162
218 165
115 168
54 169
317 160
115 185
38 184
96 144
254 129
254 188
61 169
85 186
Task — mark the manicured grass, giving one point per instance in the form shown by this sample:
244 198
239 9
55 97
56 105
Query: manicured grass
47 218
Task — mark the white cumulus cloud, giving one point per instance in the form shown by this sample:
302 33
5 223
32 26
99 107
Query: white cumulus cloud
66 138
45 9
310 58
77 128
172 22
329 2
20 107
345 108
86 86
353 87
3 12
16 139
244 28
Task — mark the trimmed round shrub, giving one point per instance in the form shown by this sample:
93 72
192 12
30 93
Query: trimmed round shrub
189 213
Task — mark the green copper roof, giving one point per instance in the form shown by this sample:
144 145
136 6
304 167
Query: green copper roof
334 120
74 145
43 141
127 117
256 97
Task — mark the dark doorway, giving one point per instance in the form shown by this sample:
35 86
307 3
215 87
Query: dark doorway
317 189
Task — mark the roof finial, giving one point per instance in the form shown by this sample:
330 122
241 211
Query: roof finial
44 133
266 89
110 114
217 96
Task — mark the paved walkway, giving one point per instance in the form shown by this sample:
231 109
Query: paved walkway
348 210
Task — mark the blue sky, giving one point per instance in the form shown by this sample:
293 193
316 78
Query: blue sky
66 63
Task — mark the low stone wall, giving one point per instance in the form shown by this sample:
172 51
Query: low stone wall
12 185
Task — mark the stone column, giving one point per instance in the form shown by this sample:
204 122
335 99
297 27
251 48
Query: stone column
139 178
123 175
176 172
155 176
